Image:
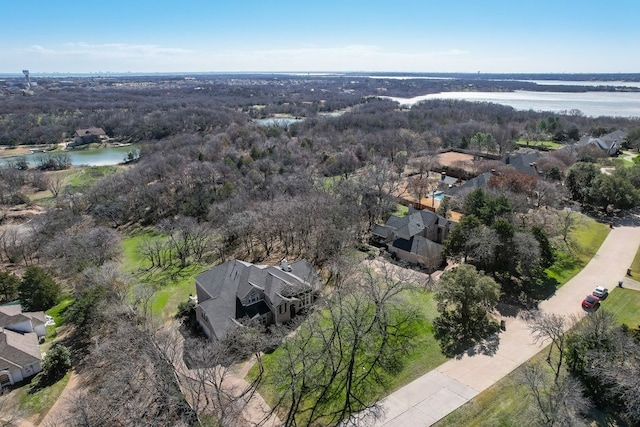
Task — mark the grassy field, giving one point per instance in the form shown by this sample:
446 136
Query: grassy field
173 285
38 403
550 145
424 356
635 266
624 304
79 178
588 236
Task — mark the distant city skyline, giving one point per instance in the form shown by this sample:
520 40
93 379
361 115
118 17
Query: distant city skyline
496 36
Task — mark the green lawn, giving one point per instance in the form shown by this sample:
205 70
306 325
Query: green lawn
175 289
133 261
546 144
424 355
40 402
635 266
588 236
84 177
502 404
57 312
624 304
173 285
401 210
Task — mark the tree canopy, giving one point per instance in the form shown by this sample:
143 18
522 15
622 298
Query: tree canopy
38 291
465 298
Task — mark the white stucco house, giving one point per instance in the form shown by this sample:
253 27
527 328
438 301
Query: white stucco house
20 332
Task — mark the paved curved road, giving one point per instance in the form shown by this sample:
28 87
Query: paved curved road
446 388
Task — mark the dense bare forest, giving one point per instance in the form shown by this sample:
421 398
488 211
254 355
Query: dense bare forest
219 184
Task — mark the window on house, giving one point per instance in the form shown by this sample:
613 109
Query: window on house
305 299
254 298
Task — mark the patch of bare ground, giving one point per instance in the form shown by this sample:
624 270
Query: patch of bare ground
254 409
19 150
58 414
453 159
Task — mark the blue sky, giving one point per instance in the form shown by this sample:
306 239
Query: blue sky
77 36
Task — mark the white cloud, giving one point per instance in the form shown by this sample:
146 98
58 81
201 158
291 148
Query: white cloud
119 57
110 50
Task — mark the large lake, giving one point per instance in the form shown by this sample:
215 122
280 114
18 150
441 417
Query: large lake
594 104
98 157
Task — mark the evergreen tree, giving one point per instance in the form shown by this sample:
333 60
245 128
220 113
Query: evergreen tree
38 291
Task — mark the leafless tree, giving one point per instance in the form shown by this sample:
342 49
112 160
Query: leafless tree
552 327
557 403
156 251
10 414
325 371
187 239
55 184
567 221
71 251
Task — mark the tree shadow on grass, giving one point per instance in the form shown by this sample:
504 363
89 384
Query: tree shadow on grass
544 289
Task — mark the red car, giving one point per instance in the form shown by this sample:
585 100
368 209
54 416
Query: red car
590 301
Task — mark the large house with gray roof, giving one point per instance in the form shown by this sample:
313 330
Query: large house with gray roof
20 355
416 238
237 290
610 143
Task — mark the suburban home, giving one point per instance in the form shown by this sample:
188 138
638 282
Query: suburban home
609 143
13 318
237 290
524 161
87 136
479 181
20 355
416 238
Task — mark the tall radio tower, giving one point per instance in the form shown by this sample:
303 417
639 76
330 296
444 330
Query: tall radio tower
26 75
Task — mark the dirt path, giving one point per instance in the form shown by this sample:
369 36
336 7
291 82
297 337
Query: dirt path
254 409
57 415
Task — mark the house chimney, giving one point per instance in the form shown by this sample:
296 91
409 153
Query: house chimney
284 265
443 175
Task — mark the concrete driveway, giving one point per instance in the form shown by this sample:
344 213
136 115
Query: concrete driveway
441 391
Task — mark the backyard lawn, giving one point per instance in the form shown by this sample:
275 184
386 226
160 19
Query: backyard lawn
36 405
587 238
424 355
549 145
172 285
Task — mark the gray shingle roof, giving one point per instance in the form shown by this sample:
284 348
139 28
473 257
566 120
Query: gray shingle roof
10 315
412 224
18 350
521 161
230 282
479 181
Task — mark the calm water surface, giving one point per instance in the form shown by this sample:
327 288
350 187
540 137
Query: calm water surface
594 104
98 157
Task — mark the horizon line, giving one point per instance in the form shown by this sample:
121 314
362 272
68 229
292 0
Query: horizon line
311 72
